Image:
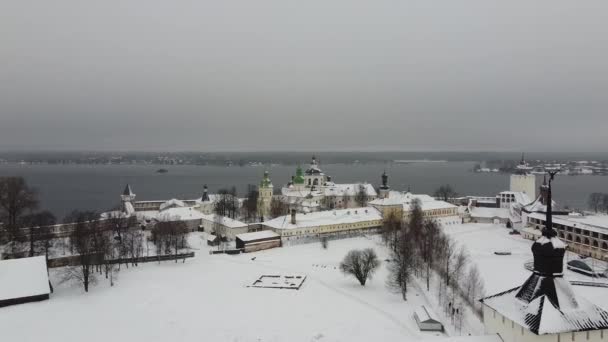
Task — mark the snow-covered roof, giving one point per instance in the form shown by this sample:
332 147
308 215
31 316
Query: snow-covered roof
425 315
25 277
464 338
263 234
180 214
396 198
542 316
172 203
595 223
348 189
223 220
330 189
329 217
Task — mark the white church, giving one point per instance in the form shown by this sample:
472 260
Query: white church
313 190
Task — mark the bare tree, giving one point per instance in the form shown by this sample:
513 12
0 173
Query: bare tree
361 197
227 203
445 192
324 242
278 208
428 245
402 264
361 264
40 232
595 201
250 205
169 237
84 243
473 288
461 260
16 199
391 227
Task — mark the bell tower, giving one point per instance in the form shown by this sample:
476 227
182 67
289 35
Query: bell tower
127 194
384 189
265 196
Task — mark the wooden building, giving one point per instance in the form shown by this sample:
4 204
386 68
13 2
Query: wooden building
426 320
257 241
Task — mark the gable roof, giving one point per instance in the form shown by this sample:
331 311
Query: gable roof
542 315
25 277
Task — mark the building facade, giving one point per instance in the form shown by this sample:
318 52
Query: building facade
399 204
265 192
312 190
325 223
585 235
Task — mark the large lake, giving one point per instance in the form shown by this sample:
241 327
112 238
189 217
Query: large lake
63 188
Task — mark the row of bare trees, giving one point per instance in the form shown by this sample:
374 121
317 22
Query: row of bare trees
170 238
419 248
24 230
598 202
101 247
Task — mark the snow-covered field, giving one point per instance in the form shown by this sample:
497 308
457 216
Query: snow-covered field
207 299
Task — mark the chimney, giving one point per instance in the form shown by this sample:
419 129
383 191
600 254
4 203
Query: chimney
293 216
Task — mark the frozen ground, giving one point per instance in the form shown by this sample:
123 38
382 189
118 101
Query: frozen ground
207 299
504 272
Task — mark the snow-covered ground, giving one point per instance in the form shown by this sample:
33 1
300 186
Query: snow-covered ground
207 299
501 273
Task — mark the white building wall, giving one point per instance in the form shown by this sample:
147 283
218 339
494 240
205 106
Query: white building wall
525 184
509 331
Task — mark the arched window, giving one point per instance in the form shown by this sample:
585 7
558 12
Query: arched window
586 241
569 237
561 235
578 239
595 243
605 245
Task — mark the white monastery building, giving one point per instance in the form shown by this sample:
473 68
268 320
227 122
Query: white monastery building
325 223
313 190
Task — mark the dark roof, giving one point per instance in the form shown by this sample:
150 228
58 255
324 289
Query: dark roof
127 191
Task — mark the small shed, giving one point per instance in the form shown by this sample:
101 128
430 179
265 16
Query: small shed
212 240
257 241
426 320
23 280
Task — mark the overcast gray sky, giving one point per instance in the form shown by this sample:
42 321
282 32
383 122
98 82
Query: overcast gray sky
306 75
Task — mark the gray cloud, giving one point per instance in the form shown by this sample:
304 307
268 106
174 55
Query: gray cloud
276 74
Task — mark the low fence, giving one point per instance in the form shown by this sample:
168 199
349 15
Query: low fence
227 251
74 260
589 283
